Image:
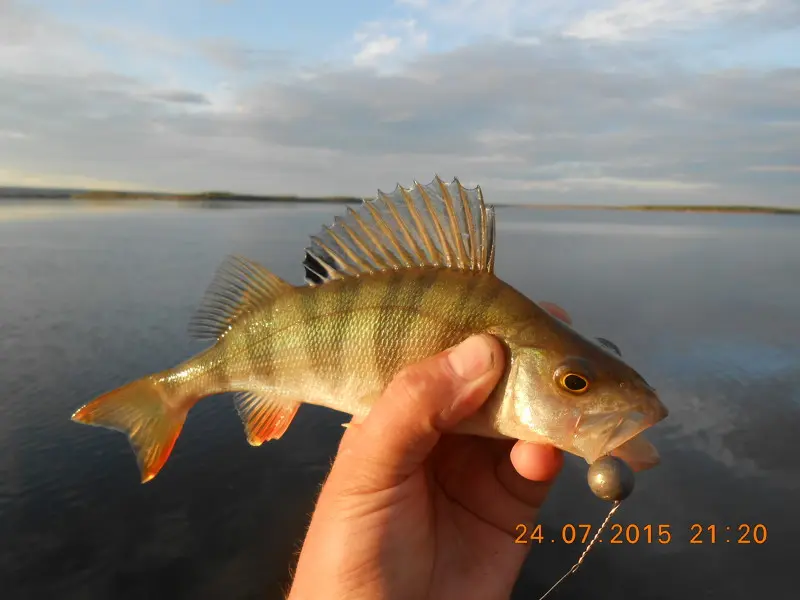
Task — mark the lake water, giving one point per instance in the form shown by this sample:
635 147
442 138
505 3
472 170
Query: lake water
704 305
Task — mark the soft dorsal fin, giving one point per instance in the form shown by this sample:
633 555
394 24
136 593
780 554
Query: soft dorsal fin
239 285
439 225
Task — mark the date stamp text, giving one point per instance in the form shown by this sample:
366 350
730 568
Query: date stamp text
617 533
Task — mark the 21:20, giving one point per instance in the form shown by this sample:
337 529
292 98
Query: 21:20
748 534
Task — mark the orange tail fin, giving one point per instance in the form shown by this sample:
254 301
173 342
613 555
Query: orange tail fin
138 410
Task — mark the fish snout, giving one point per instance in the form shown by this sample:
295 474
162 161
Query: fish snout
647 401
654 410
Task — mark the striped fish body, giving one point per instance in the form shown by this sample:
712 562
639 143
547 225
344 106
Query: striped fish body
381 294
340 344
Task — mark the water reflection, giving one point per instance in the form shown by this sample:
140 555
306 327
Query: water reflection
703 305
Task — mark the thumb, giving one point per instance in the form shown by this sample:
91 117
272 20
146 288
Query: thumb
423 401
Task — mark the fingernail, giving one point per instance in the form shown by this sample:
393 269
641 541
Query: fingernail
472 358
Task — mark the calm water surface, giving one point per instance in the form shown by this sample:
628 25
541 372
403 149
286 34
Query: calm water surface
705 306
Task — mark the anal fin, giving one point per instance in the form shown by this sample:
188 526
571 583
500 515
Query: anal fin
264 417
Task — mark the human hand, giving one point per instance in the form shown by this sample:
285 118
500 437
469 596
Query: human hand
410 511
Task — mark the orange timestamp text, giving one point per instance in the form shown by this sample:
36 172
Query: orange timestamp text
617 533
742 533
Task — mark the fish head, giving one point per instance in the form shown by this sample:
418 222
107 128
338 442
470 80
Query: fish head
578 395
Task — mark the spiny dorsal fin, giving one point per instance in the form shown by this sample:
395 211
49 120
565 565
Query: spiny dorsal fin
439 225
239 285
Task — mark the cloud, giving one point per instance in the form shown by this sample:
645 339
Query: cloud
375 47
180 97
775 169
561 120
628 18
379 41
232 55
601 20
458 19
568 184
413 3
15 178
33 42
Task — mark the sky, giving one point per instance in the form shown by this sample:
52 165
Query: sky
549 101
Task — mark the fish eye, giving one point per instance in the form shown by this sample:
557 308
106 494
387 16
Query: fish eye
573 375
575 383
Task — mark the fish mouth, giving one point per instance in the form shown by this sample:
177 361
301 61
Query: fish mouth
619 434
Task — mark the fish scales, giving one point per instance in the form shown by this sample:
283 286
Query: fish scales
369 326
409 274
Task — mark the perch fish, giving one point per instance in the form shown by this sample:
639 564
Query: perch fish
405 276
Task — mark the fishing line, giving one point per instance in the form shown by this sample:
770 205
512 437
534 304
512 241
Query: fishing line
586 550
610 479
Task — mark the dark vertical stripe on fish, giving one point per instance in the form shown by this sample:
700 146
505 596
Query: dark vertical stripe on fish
345 305
266 351
484 303
462 313
388 335
499 299
418 290
311 337
221 372
444 333
257 348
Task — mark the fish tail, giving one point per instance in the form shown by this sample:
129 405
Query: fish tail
141 410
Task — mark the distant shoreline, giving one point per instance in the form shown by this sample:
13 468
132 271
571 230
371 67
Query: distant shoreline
206 197
227 196
705 208
106 196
